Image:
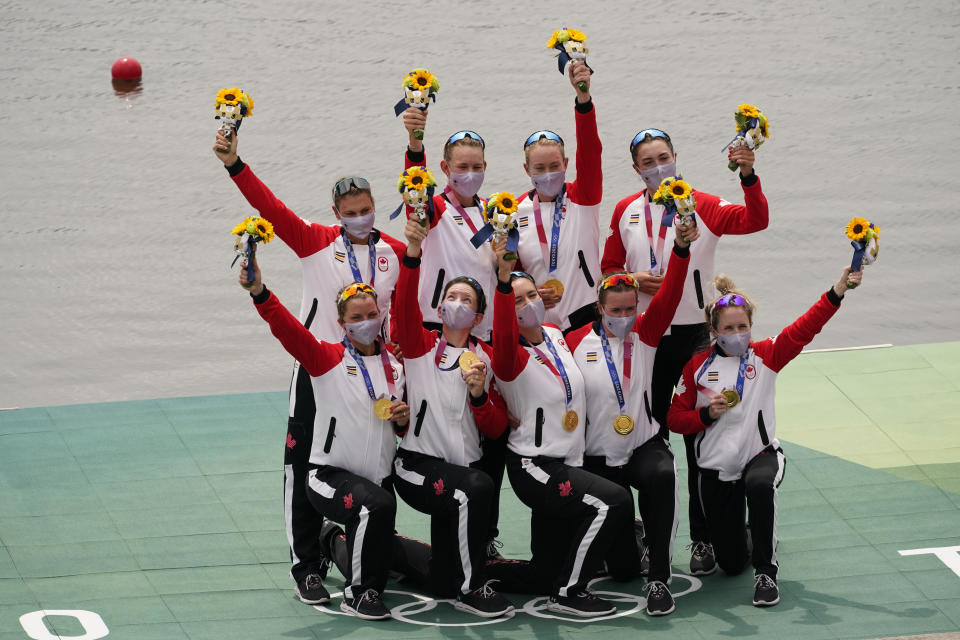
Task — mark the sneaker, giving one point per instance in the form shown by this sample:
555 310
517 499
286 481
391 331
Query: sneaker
310 589
702 560
583 604
659 599
367 606
645 562
493 550
484 602
766 594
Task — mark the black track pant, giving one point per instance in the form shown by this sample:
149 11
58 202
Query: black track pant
652 471
723 504
576 515
458 501
674 351
367 511
493 462
303 523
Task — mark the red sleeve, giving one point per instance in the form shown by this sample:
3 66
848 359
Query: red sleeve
491 416
399 250
508 358
574 338
587 189
317 357
684 416
777 352
414 340
652 324
303 237
735 219
614 253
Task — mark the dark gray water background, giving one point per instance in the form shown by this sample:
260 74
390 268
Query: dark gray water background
116 216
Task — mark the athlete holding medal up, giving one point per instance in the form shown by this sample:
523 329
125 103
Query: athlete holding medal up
725 398
576 514
624 443
559 221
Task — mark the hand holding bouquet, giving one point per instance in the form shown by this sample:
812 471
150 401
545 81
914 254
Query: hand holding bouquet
249 233
866 246
499 222
419 87
677 196
417 186
232 106
753 129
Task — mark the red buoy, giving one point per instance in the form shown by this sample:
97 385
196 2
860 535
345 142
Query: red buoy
126 69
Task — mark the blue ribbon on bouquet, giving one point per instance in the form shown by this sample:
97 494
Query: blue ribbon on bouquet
247 252
485 233
402 106
564 58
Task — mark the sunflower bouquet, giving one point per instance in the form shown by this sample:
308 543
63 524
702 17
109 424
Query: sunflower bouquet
232 106
863 237
571 46
249 233
499 216
753 129
417 186
419 87
677 196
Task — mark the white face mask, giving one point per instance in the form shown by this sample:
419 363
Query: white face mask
466 184
531 314
456 315
653 176
359 226
364 331
549 184
619 327
734 344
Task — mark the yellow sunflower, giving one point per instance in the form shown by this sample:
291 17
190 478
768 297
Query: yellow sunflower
241 228
764 125
857 229
552 42
421 80
579 36
229 96
748 110
248 103
679 189
401 184
658 194
506 202
876 229
264 229
417 178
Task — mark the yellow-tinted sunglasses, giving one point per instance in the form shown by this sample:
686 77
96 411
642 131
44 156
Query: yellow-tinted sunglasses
355 289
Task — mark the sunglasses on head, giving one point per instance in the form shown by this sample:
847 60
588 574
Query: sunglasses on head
536 136
355 289
460 135
618 279
731 300
653 133
521 274
344 185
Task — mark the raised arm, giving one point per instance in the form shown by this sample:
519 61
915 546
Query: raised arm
652 324
736 219
414 340
587 189
508 358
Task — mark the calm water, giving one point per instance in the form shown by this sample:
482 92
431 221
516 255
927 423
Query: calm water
115 242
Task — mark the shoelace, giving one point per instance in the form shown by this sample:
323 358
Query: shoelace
312 581
765 582
655 589
370 595
486 591
700 550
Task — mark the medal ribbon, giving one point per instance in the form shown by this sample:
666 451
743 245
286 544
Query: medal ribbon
455 203
560 372
387 369
442 347
554 247
620 390
357 277
741 372
655 258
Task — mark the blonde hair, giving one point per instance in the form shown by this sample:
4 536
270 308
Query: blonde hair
543 142
725 286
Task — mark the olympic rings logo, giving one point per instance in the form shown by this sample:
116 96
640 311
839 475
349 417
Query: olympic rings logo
536 607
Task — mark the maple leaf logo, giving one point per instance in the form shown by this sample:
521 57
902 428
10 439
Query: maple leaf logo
438 487
565 488
291 443
348 501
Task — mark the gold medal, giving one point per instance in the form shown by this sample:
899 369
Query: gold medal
381 408
733 398
554 284
467 360
570 420
623 424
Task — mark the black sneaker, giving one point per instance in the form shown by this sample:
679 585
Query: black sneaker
367 606
484 602
659 599
766 594
310 589
583 604
493 550
702 560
